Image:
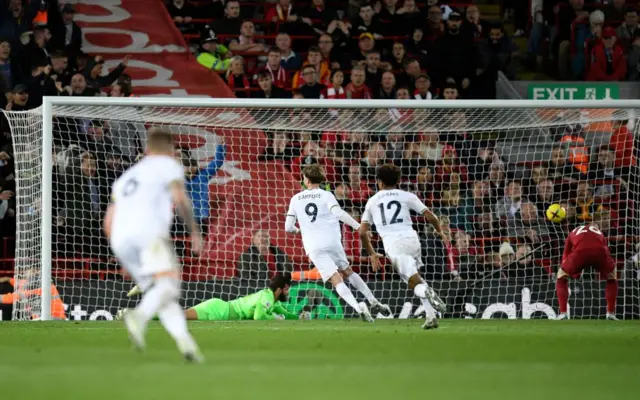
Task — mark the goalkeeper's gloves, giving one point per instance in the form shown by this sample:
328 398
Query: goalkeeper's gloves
134 291
278 317
304 316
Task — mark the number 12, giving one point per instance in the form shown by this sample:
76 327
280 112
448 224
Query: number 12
394 218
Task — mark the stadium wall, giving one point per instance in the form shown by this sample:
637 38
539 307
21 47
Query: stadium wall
490 298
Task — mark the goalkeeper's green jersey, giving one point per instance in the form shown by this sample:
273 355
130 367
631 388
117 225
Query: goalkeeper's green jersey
258 306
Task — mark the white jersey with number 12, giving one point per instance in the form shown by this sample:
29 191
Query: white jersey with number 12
319 227
390 212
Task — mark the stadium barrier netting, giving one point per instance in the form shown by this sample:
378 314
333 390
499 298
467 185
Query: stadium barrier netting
488 170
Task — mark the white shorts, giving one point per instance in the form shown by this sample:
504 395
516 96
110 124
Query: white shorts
143 259
329 261
405 255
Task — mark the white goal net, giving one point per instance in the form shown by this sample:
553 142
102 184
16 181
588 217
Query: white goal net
489 171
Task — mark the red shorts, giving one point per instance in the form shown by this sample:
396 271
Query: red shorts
598 258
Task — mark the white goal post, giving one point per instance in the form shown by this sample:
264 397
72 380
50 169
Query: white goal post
489 168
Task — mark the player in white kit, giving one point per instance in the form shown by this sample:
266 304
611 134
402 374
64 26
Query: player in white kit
138 223
319 214
390 211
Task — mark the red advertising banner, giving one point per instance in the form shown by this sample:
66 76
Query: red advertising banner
161 62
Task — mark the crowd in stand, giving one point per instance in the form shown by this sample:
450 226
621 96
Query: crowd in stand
383 49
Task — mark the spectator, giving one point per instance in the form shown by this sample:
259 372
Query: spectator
559 168
538 174
323 14
510 204
311 89
418 46
402 93
477 199
425 184
561 46
448 165
465 257
603 166
15 19
387 90
40 85
246 41
120 90
367 22
60 71
335 89
388 16
525 266
357 88
66 34
230 24
474 27
36 49
497 180
290 60
496 52
608 62
583 206
621 142
280 149
366 43
626 31
615 10
340 33
435 24
455 55
373 72
480 164
267 89
544 196
10 69
285 18
585 38
237 79
450 206
274 69
213 10
360 190
398 56
395 145
374 157
212 54
408 18
182 13
526 224
411 72
423 84
486 225
78 87
19 99
633 58
450 91
333 58
262 259
314 59
430 147
94 77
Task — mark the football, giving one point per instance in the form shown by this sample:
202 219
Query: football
556 213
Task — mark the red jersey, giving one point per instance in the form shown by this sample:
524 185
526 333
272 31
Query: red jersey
586 246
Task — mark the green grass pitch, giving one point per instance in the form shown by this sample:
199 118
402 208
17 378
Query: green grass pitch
466 359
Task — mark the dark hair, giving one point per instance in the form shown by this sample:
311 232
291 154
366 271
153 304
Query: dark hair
335 71
402 88
409 61
264 74
314 49
124 88
58 54
273 49
313 173
373 52
279 281
388 174
365 5
449 85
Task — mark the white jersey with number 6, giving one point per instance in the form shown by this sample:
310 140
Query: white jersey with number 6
390 212
319 227
143 203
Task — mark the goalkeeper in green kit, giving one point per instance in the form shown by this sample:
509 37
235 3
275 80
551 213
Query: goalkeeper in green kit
263 305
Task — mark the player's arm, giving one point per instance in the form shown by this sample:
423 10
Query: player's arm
278 308
263 309
342 215
290 220
108 218
184 209
415 204
365 237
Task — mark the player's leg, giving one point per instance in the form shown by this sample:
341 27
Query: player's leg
328 270
356 281
570 267
609 272
210 310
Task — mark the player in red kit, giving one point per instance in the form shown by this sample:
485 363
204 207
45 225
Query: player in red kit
586 246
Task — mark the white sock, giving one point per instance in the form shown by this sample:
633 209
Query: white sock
153 299
420 290
362 287
344 292
172 318
428 308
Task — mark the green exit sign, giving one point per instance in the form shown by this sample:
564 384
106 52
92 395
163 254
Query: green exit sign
574 91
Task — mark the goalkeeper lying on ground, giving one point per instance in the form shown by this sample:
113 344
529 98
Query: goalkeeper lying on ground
263 305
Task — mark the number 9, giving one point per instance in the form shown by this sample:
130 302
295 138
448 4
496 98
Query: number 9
312 210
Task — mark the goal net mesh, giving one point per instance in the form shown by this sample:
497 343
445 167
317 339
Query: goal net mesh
489 174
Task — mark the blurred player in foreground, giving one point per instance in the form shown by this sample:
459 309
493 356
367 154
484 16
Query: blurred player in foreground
137 224
319 215
586 246
389 210
263 305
